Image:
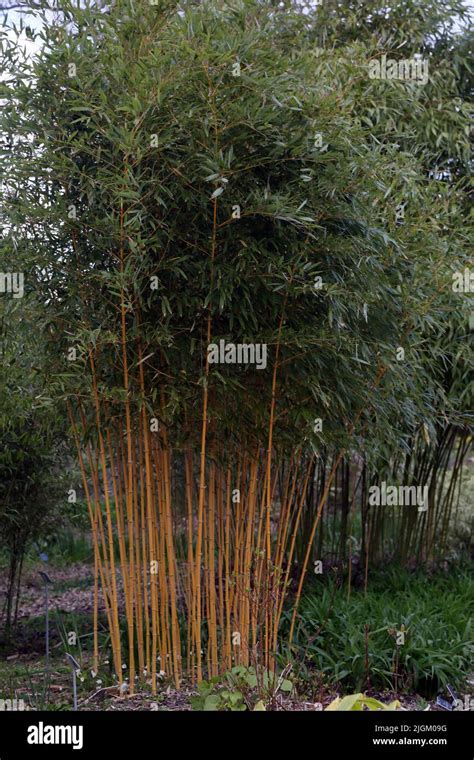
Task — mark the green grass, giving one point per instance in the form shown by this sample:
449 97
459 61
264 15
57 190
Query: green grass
436 612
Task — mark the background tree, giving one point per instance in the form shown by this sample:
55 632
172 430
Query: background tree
32 459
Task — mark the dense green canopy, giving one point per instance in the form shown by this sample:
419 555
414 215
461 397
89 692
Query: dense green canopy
132 125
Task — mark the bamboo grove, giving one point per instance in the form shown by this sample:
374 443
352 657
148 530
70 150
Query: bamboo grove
190 177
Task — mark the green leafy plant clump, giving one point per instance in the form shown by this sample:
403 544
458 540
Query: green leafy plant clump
419 636
242 688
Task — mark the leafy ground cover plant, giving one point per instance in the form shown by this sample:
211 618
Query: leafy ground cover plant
419 634
242 688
